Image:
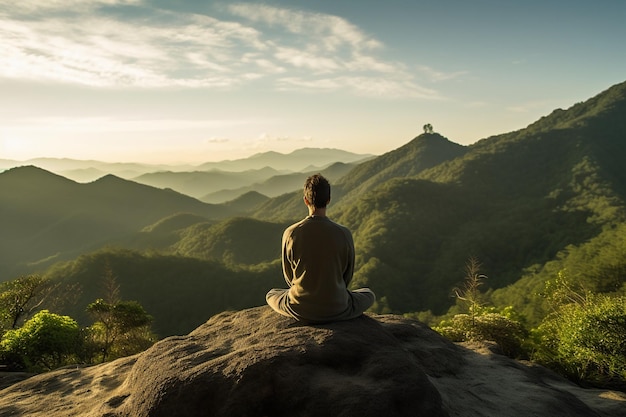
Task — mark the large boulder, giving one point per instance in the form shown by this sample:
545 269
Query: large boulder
257 363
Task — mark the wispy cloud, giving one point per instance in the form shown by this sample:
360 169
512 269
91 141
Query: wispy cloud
330 32
83 42
436 76
107 124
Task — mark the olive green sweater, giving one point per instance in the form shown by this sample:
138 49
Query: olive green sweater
318 264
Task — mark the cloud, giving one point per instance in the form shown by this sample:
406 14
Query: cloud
39 6
360 86
331 32
82 42
437 76
108 124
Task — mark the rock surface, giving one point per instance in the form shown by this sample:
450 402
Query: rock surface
257 363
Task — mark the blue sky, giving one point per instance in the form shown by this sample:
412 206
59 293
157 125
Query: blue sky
193 81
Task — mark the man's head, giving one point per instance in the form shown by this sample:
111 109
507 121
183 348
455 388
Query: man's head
317 191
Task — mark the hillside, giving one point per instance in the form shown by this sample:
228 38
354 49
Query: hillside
180 292
235 241
512 201
45 217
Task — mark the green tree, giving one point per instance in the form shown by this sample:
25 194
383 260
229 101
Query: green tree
21 297
121 328
428 128
44 342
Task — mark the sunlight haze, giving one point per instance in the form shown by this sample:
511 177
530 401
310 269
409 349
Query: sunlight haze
193 81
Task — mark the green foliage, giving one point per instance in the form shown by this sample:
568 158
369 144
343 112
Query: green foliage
235 241
44 342
596 266
585 336
482 323
507 333
21 297
121 328
179 292
469 293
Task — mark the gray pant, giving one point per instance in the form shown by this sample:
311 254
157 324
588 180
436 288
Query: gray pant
360 300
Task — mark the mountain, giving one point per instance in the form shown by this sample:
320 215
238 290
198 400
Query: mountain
234 241
421 153
279 184
246 203
46 217
298 160
513 201
200 183
84 170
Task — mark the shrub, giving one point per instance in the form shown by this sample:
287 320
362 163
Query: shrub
507 333
586 340
44 342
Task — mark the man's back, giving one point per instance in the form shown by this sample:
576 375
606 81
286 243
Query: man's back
318 262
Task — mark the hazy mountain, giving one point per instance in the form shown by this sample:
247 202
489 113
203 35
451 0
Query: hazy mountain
83 170
298 160
200 183
44 217
91 174
246 203
278 184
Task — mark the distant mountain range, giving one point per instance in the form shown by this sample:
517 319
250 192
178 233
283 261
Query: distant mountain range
529 205
301 160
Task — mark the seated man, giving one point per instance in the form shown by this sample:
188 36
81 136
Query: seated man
318 263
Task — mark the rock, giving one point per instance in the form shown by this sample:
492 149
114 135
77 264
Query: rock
257 363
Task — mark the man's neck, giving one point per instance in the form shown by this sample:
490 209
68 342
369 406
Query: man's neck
317 211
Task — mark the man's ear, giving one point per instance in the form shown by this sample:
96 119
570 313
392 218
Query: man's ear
306 201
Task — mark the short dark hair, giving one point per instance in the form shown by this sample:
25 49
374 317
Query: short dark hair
317 190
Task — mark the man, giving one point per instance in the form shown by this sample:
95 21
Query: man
318 263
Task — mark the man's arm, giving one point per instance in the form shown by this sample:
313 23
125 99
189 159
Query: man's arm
349 271
286 248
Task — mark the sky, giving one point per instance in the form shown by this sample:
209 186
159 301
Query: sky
190 81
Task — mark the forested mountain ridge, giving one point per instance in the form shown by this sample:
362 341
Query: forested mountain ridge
514 201
423 152
45 217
